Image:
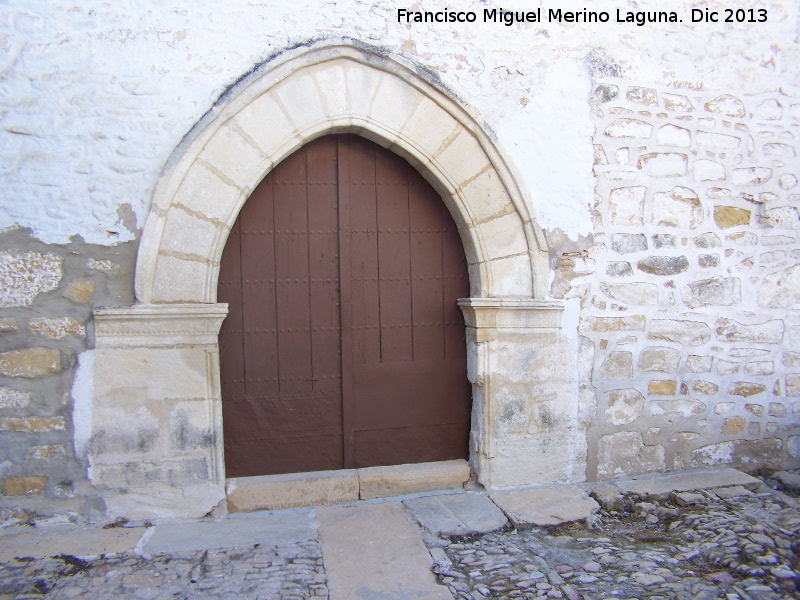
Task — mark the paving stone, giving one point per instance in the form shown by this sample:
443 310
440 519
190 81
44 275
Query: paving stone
457 514
662 485
546 506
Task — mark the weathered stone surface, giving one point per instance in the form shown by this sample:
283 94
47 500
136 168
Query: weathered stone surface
681 207
398 480
79 292
743 238
760 367
663 265
768 332
677 103
659 360
770 109
29 363
779 150
273 492
726 104
707 240
723 408
754 409
624 453
456 514
718 141
726 367
734 426
546 506
49 452
672 135
617 365
751 175
793 384
692 333
57 328
706 387
625 243
33 424
632 323
626 205
8 324
642 95
632 293
25 275
708 170
605 92
717 291
738 452
663 240
629 128
699 364
708 261
787 181
619 269
730 216
663 164
623 406
746 389
781 289
10 398
791 359
793 446
777 410
666 387
24 486
783 217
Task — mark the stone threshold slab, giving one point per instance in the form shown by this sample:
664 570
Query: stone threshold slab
661 485
294 490
546 506
82 542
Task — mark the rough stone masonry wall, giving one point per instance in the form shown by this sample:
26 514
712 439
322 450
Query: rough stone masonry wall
690 295
47 293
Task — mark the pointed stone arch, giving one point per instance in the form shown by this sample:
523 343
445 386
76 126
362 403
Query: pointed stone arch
332 89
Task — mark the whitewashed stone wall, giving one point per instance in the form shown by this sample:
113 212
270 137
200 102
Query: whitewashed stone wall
690 295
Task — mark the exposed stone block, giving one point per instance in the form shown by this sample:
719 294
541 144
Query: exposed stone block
793 384
397 480
25 275
730 216
632 293
30 363
8 324
663 240
663 265
276 492
717 291
726 104
619 269
738 452
768 332
760 367
707 261
24 486
699 364
791 359
629 128
779 150
632 323
754 409
79 292
657 359
692 333
777 410
726 367
746 389
672 135
678 406
642 95
770 109
605 92
707 240
734 426
663 164
10 398
677 103
706 387
781 289
708 170
617 365
787 181
783 217
624 453
623 406
681 207
751 175
717 141
50 452
626 205
33 424
57 328
625 243
665 387
723 408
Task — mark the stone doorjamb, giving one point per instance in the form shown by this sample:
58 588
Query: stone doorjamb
156 439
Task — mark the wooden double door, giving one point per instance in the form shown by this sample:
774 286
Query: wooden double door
343 346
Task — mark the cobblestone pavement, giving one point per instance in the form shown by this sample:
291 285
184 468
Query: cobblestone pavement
292 572
729 543
732 544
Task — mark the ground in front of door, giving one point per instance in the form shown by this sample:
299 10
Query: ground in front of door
729 542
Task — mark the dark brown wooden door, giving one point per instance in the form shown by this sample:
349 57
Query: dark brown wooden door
343 346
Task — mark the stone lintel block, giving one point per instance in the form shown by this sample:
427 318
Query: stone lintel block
546 506
30 363
275 492
153 325
398 480
511 313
